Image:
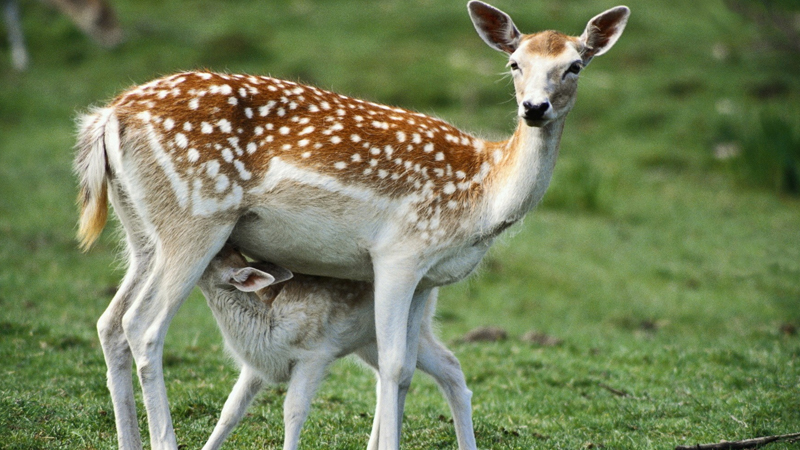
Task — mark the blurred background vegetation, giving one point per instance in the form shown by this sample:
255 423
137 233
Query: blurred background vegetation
665 257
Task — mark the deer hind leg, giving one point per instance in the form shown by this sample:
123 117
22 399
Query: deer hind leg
117 353
440 363
178 261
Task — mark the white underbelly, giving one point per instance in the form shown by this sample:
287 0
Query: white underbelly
313 244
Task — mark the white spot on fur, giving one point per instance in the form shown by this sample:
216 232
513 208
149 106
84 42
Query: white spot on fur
264 110
227 155
224 125
222 183
497 156
244 174
181 141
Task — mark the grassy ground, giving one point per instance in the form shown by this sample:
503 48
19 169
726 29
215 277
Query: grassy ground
675 289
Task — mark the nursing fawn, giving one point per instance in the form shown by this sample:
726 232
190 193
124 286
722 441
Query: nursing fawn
291 331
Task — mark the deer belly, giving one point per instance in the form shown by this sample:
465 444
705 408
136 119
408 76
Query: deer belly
455 265
311 241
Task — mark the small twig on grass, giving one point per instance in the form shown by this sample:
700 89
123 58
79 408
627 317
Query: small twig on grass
745 444
618 392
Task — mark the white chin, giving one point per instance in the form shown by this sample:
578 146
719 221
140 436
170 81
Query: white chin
538 123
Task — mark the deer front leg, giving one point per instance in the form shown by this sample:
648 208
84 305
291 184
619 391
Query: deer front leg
396 280
416 316
243 393
306 378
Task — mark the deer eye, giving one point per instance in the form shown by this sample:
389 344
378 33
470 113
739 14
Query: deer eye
574 68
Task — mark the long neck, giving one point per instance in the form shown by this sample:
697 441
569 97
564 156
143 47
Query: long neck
524 173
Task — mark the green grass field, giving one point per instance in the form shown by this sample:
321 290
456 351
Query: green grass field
673 284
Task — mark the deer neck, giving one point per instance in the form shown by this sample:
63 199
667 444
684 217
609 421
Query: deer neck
524 171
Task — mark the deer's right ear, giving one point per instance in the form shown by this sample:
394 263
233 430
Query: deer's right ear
249 279
494 26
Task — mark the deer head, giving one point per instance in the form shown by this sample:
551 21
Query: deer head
545 65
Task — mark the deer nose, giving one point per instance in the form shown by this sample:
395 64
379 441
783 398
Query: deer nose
535 112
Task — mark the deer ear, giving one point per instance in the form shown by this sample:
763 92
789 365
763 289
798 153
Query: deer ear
603 31
249 279
494 27
278 273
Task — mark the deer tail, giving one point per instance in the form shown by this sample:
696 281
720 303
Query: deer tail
97 132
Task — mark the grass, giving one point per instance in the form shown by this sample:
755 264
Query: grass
675 289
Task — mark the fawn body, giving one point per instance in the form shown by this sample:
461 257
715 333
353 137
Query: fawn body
292 331
318 183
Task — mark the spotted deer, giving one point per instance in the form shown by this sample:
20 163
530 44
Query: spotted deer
291 331
319 183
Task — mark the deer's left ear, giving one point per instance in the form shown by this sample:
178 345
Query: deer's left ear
249 279
603 31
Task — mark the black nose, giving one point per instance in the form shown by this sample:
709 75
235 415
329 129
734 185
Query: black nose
535 112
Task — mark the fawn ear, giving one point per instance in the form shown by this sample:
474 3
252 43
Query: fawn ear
603 31
494 26
278 273
249 279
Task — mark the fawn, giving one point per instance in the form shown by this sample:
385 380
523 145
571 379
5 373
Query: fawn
291 331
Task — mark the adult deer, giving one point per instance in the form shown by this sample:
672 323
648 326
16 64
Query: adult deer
318 183
292 331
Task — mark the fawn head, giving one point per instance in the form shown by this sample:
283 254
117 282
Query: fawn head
545 65
229 269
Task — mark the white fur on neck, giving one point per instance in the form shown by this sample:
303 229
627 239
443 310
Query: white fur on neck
528 176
